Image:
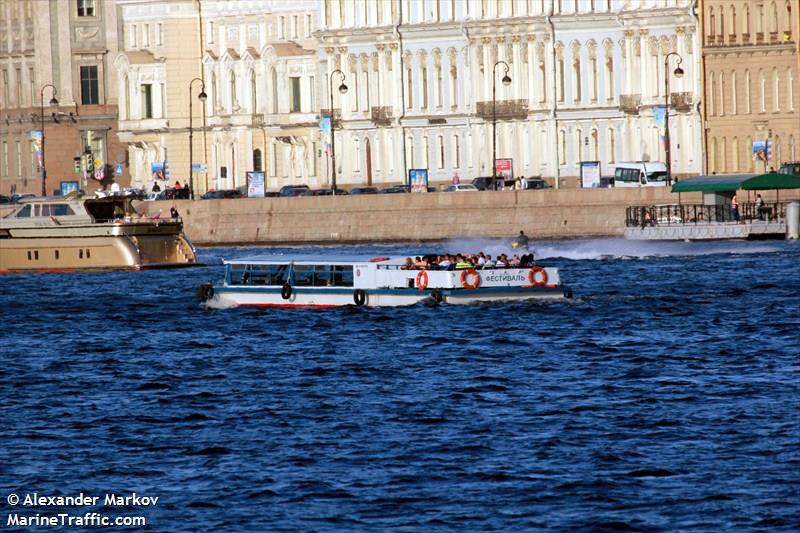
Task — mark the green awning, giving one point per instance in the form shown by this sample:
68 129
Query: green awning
746 182
711 183
770 181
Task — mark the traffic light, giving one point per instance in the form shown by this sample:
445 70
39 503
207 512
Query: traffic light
90 164
77 162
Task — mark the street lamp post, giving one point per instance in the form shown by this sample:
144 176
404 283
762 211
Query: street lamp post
53 101
506 82
678 74
202 97
342 90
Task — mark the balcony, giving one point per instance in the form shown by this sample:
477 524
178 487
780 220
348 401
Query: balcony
505 109
381 116
681 101
630 103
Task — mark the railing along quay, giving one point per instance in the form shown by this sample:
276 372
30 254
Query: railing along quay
683 214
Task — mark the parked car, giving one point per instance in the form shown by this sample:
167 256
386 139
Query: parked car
606 182
791 167
18 198
217 195
462 187
364 190
535 183
394 190
328 192
5 199
292 190
485 183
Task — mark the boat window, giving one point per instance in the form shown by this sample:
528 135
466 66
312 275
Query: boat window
25 212
303 275
342 275
279 274
37 210
323 277
57 210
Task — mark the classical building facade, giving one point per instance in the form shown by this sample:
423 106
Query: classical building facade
751 64
587 78
255 61
58 50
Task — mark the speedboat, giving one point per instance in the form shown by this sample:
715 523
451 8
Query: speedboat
73 232
375 282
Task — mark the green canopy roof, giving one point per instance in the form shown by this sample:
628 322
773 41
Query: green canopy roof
711 183
773 180
748 182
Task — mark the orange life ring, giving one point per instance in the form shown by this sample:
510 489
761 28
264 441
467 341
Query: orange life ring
422 280
532 276
470 272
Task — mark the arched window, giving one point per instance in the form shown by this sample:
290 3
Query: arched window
593 81
214 93
712 156
274 80
578 145
746 22
257 164
721 93
594 146
747 108
792 149
232 85
748 159
439 87
126 88
774 18
453 86
712 27
562 147
712 88
410 151
560 80
440 142
734 30
456 152
424 150
776 90
611 146
722 156
253 94
722 22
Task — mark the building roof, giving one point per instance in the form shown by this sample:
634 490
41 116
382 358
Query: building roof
747 182
290 49
140 57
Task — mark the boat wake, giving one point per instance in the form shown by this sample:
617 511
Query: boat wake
613 248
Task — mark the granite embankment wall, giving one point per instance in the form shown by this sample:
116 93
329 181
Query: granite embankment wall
413 217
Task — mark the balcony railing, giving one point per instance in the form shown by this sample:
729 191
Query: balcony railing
630 103
381 116
681 101
506 109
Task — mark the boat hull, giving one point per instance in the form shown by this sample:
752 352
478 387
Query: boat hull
124 251
232 296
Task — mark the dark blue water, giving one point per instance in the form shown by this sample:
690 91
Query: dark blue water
664 397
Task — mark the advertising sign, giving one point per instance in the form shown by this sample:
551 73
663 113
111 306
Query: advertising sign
68 186
255 184
325 124
418 180
762 151
199 167
35 137
590 174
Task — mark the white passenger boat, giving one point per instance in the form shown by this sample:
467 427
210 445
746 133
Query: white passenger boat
77 233
376 282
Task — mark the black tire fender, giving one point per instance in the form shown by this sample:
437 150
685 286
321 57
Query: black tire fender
205 292
359 297
437 296
286 291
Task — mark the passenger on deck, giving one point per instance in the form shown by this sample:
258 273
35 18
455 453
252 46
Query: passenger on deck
409 264
489 263
420 264
501 261
522 239
514 262
445 262
481 260
462 263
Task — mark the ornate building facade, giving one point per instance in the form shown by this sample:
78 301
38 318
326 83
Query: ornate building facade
58 50
751 62
255 62
587 77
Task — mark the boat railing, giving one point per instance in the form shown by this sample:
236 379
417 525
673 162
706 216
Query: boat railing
683 214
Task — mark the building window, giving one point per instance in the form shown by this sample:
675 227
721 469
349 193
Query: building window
308 24
89 86
6 100
312 93
295 24
294 88
560 79
253 93
424 88
281 28
19 159
146 35
274 91
32 83
257 160
439 95
232 88
609 78
562 148
85 8
4 160
440 140
210 37
611 145
159 34
576 88
453 87
593 81
456 153
18 86
409 89
147 100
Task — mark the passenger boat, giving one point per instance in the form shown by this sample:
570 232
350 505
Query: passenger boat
75 233
376 282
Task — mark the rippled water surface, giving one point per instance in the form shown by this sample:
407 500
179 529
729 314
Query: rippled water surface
665 396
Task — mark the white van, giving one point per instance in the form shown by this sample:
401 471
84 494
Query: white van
640 174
